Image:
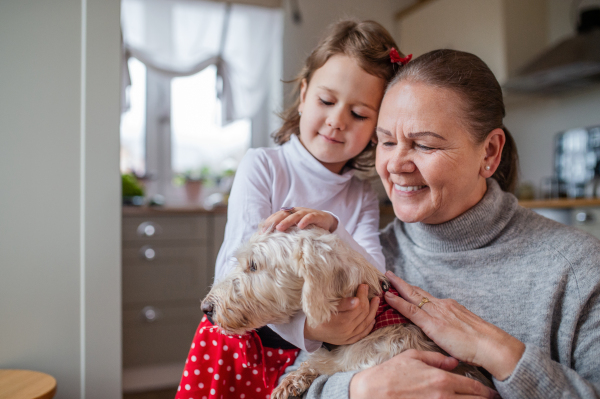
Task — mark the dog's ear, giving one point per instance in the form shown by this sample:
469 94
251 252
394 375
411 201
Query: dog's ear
324 278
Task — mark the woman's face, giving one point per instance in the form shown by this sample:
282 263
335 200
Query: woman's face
429 164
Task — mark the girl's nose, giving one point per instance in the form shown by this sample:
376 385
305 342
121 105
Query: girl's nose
336 119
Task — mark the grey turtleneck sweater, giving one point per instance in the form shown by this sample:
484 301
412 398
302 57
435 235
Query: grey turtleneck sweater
534 278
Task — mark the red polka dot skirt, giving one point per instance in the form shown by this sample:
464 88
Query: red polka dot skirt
231 366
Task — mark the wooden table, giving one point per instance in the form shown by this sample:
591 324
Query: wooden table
26 384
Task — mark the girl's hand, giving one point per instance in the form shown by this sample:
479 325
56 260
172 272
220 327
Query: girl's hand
461 333
416 374
301 217
354 320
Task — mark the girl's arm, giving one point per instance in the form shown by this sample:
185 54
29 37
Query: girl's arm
365 237
249 204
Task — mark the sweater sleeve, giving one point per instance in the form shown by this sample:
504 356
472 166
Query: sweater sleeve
538 376
249 204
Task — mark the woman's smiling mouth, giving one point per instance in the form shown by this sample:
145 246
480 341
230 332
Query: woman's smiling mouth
406 189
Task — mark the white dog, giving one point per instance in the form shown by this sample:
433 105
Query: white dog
280 274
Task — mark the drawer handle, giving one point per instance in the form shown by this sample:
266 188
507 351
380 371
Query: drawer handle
148 229
147 252
150 314
584 217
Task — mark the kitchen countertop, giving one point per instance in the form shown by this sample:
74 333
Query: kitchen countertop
166 210
561 203
385 209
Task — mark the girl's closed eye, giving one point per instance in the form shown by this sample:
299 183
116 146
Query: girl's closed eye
325 102
358 116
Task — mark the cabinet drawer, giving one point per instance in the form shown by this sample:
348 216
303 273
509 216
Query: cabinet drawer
162 273
588 220
165 339
137 228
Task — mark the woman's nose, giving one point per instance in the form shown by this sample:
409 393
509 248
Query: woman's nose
336 119
401 162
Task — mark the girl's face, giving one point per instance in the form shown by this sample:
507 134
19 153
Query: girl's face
429 164
339 111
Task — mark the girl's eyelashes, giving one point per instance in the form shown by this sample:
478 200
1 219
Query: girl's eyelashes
354 114
357 116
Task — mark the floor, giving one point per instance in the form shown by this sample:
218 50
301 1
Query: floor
160 394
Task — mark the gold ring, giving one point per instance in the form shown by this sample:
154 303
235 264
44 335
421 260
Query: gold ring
423 302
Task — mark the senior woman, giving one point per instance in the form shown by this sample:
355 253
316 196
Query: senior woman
525 291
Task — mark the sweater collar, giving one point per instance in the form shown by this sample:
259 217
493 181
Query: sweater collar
473 229
312 166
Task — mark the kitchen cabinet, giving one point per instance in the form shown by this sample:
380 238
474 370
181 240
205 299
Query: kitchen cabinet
168 258
505 34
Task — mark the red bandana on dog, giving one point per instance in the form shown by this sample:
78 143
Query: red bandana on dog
386 315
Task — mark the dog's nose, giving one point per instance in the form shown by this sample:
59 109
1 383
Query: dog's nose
207 308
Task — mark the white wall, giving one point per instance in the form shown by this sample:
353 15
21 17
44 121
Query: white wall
299 40
451 24
535 120
59 201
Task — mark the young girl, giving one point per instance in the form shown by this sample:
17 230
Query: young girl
326 135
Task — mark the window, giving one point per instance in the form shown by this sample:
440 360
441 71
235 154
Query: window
200 146
184 52
198 141
133 122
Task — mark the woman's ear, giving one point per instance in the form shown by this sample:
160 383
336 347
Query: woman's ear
303 89
494 143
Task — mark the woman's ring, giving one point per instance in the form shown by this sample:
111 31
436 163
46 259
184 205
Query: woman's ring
289 209
423 302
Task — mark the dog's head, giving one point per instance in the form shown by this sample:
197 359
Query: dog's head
279 274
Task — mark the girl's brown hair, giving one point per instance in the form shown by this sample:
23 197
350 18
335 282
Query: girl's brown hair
483 105
369 44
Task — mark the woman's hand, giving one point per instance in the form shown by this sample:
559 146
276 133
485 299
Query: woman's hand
301 217
354 320
416 374
458 331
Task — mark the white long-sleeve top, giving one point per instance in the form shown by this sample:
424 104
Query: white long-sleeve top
270 178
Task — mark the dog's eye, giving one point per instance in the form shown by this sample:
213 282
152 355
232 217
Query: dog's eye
252 266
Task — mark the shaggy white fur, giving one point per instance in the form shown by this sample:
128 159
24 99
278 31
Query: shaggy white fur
311 270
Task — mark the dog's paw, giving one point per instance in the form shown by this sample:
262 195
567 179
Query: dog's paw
287 390
295 383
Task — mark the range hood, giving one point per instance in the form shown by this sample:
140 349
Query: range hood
574 62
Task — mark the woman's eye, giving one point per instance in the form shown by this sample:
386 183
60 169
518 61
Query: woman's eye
357 116
252 266
325 102
386 143
424 147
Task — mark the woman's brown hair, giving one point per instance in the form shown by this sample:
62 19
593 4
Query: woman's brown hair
369 44
469 77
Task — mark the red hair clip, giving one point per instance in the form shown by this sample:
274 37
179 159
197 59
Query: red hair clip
396 59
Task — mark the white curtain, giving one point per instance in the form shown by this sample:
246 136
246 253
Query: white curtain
182 37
